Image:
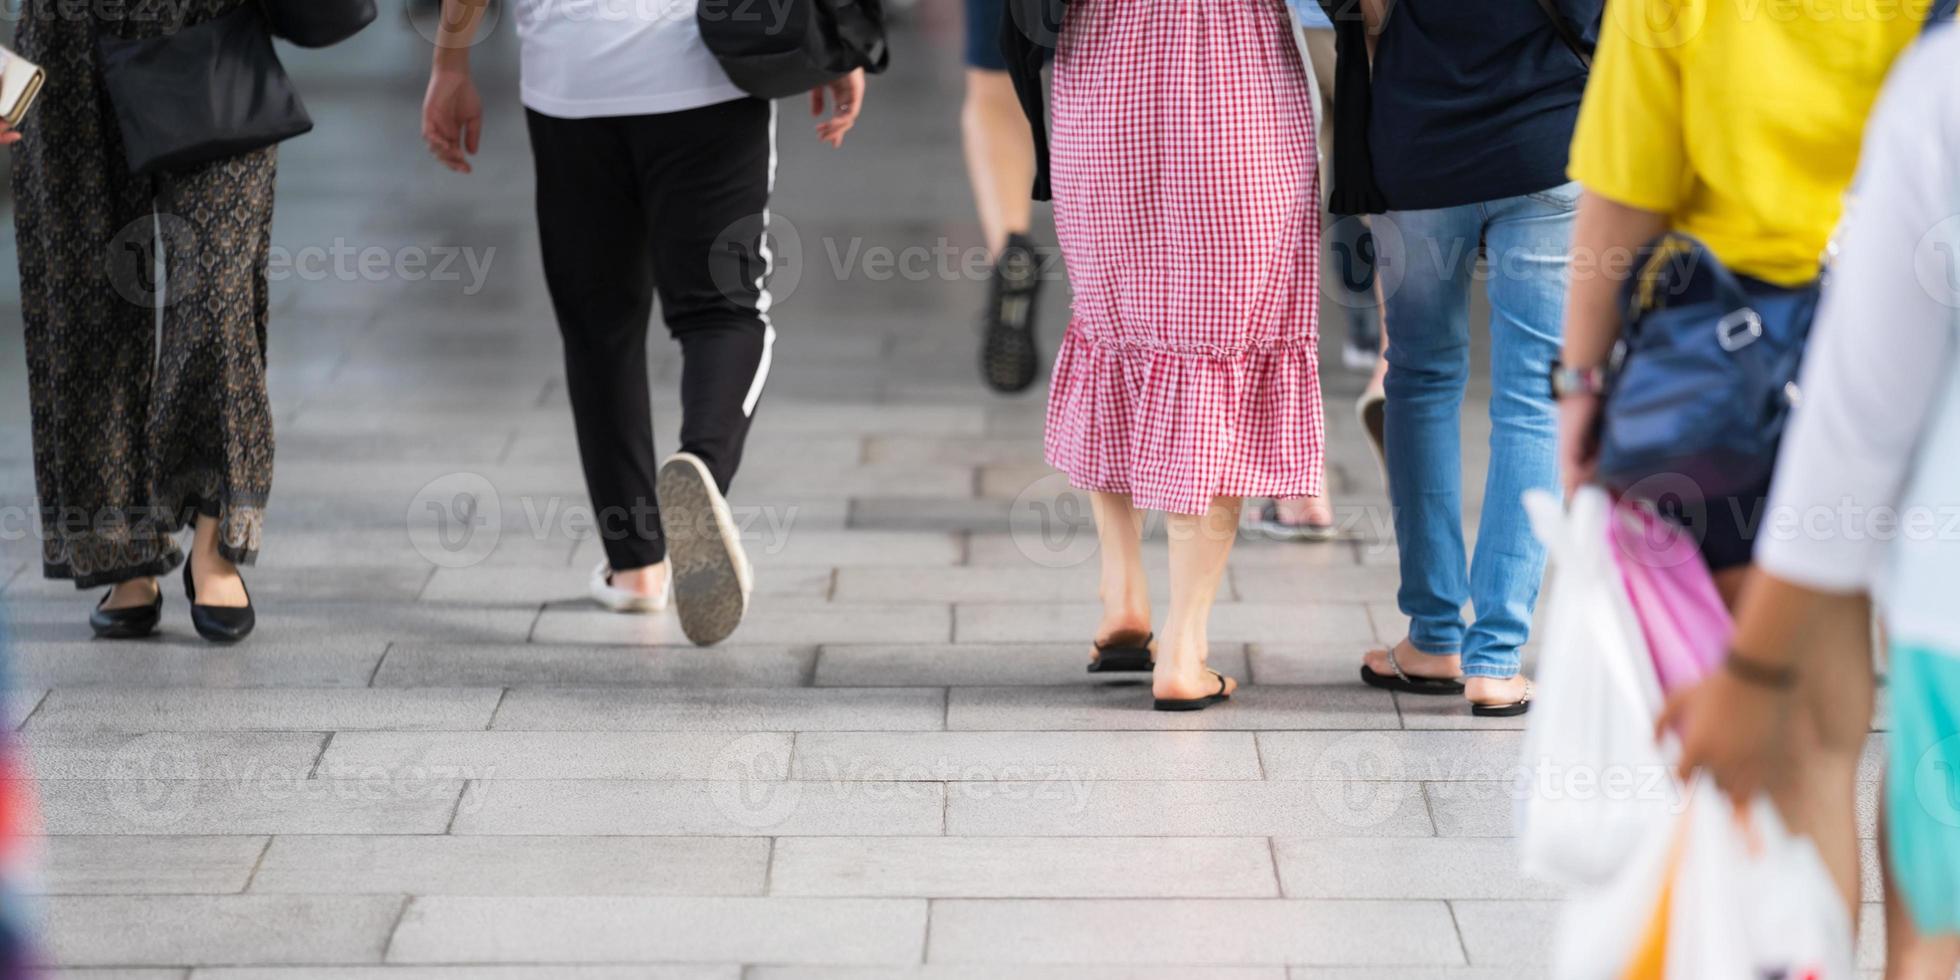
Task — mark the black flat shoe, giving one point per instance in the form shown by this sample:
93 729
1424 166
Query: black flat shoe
219 624
127 623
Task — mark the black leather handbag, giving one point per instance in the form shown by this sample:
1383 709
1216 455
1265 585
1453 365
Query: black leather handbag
209 91
318 23
775 50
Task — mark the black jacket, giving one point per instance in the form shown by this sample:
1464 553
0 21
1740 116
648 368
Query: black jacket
1028 32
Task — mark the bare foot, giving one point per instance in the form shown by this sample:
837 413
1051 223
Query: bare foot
1415 663
1495 691
1316 511
135 593
217 580
1182 675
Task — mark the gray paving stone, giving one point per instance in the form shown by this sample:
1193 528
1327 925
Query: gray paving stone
446 865
113 974
1422 867
553 971
1225 931
218 929
405 803
734 709
1514 934
720 808
20 703
956 971
148 865
973 584
561 754
1023 867
1068 808
1361 583
614 930
1402 973
1022 551
195 663
1473 809
1230 622
979 664
567 584
1421 756
1128 707
169 755
194 709
769 621
1024 756
1448 714
1321 662
535 665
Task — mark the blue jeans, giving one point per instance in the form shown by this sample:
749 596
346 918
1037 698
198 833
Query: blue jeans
1429 261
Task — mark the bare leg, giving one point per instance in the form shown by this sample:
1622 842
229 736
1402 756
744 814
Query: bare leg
1909 954
218 582
999 155
1125 589
1831 720
1199 548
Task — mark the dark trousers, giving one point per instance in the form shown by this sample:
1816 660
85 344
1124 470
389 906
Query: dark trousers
674 204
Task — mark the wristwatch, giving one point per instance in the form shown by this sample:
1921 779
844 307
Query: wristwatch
1567 381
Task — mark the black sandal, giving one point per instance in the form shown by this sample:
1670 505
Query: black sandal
1123 654
1197 704
1401 681
1512 710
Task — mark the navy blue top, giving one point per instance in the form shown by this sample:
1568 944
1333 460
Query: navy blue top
1474 100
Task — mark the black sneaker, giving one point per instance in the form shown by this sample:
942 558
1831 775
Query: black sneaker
1008 359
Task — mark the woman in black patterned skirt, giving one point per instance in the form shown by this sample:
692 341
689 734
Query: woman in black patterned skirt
139 433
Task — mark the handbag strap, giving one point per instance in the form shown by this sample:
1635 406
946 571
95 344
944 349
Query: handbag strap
1672 248
1565 33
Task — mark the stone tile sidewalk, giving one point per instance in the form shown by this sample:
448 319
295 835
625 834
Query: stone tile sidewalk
438 761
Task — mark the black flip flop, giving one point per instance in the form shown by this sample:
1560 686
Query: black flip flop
1196 704
1512 710
1123 656
1401 681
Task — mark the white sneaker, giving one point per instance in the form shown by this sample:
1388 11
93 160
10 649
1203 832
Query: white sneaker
1360 360
624 601
709 568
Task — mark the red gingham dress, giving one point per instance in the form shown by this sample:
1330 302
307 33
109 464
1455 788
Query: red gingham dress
1187 203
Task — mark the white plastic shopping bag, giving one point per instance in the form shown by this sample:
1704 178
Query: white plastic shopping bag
1595 781
1754 900
1711 894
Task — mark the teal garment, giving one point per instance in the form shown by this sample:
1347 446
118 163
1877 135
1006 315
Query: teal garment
1922 803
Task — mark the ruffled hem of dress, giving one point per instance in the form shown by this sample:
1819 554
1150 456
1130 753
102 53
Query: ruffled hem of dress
1175 427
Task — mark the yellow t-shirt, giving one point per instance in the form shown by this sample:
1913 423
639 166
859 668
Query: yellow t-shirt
1739 119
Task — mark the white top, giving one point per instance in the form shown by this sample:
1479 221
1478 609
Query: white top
585 58
1867 491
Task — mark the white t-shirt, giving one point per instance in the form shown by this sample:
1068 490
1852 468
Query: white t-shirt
585 58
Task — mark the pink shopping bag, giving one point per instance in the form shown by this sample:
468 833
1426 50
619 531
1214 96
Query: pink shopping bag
1673 595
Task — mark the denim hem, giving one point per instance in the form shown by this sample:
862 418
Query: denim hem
1498 673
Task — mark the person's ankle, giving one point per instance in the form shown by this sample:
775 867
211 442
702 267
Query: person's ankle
645 580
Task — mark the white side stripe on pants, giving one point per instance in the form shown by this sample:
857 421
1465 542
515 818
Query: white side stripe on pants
762 300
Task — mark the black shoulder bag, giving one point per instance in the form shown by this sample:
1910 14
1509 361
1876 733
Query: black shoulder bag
775 50
217 89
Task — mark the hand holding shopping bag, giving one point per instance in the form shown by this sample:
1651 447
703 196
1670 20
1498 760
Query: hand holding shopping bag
1598 781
